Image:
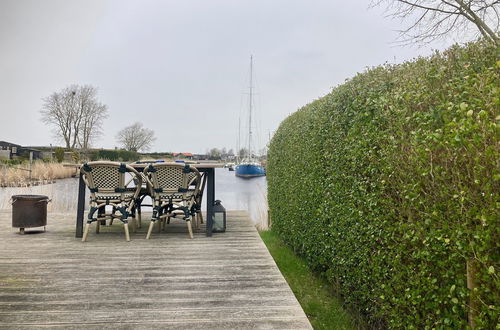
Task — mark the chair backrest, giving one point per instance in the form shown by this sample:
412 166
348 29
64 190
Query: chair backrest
171 177
109 177
192 178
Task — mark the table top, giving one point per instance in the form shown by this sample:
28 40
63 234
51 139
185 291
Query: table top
199 165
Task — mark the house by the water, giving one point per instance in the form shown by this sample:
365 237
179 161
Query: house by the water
12 151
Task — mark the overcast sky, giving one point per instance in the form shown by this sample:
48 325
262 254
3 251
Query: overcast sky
181 67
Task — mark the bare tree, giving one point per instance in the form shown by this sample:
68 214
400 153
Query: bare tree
91 114
136 137
215 153
91 125
75 114
242 153
433 19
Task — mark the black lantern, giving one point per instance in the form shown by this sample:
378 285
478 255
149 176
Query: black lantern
219 219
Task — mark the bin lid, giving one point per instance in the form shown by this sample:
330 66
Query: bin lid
29 197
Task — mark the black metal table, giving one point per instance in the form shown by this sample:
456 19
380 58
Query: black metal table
207 168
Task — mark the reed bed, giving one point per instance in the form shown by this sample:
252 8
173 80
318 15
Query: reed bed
41 173
261 215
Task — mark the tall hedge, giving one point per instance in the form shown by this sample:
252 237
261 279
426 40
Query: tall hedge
390 184
114 155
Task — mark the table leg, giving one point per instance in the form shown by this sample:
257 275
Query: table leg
101 213
80 208
210 199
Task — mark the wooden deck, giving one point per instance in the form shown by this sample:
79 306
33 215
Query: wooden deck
228 281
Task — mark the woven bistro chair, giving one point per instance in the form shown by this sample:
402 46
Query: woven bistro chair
144 192
107 183
193 182
169 184
139 201
198 196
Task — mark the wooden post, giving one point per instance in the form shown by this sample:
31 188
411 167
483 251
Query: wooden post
210 200
31 163
471 285
81 207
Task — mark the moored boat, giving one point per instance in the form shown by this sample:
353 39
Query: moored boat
249 167
249 170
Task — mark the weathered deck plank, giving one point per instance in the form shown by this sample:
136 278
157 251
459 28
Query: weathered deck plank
228 281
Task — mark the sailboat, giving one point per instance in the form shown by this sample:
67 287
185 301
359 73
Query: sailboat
249 167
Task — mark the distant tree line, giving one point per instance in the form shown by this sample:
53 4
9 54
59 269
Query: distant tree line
218 154
224 154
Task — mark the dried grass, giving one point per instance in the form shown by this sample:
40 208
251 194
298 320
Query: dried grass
42 173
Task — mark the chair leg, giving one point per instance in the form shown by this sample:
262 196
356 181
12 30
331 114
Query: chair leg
196 224
139 219
127 235
201 217
98 226
150 229
112 215
159 225
168 220
190 229
134 225
86 232
100 214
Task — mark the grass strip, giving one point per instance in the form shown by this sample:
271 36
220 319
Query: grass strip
323 309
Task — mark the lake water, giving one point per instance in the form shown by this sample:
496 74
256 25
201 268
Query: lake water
234 192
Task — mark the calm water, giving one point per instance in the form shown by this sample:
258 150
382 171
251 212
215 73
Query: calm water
235 194
242 194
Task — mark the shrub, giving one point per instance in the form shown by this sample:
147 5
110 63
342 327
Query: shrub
75 156
59 154
115 155
11 162
390 186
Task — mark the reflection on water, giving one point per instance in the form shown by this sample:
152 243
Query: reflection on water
63 193
242 194
235 194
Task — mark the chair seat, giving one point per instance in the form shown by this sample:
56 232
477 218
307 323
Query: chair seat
115 197
143 191
175 196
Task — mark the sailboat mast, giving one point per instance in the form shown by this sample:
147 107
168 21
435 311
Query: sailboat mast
239 140
250 112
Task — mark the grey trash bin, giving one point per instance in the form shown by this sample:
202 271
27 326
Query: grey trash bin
29 211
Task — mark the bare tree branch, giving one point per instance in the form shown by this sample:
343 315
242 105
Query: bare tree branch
434 19
417 5
75 114
136 137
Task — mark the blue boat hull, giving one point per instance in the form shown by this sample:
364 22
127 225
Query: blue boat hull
250 170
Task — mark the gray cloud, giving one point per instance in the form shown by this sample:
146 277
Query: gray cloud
181 67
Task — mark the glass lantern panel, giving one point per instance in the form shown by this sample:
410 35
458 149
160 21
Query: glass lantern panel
218 221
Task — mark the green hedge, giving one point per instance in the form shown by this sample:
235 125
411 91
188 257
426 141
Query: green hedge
115 155
390 186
